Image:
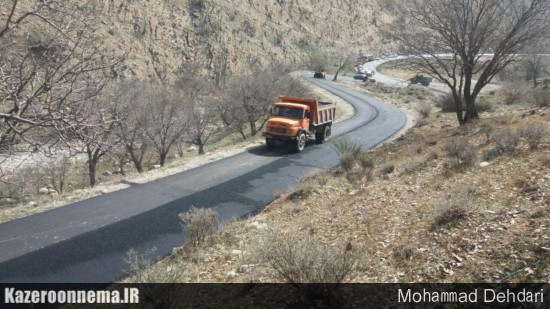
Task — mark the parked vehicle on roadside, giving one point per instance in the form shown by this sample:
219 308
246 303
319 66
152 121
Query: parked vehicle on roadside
360 76
295 120
421 79
319 74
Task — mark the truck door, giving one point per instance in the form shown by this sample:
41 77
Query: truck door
306 120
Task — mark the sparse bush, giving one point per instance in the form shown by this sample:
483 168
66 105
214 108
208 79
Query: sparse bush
541 97
424 109
355 177
414 164
365 159
199 223
492 154
453 208
351 152
461 150
301 257
386 169
483 105
533 134
347 146
506 140
347 161
403 252
487 128
512 94
323 178
446 103
415 149
142 268
303 191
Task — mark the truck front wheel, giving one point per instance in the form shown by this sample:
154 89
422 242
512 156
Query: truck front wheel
269 143
300 143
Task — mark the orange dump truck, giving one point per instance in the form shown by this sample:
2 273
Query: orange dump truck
294 120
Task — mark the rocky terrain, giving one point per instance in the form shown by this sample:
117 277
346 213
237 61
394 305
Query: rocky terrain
161 36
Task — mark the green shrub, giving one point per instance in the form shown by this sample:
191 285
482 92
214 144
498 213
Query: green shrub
347 146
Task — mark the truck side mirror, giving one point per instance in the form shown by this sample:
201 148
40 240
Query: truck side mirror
308 115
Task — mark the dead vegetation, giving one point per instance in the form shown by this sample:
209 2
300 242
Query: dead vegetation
421 219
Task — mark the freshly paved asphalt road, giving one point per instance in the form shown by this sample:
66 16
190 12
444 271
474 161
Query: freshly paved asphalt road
87 241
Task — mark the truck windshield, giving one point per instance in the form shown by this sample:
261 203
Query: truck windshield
288 112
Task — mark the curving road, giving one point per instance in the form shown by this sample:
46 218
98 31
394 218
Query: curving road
87 241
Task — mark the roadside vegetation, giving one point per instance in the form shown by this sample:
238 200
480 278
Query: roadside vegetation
442 203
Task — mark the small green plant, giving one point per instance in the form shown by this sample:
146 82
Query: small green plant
365 159
347 146
351 152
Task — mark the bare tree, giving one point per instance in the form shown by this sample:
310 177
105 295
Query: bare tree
248 98
164 117
459 40
133 95
52 61
533 65
94 129
317 60
344 58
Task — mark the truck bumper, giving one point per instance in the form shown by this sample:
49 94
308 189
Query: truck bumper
280 138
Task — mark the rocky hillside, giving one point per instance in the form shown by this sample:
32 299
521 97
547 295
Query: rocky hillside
161 35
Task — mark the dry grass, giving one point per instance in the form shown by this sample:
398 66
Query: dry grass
301 257
427 225
199 223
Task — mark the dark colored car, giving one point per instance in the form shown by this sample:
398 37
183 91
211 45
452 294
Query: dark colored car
319 74
360 76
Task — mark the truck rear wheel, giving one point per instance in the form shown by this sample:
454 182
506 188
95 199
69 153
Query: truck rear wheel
300 142
322 137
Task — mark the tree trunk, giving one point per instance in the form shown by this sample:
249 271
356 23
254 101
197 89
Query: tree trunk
135 159
201 148
535 84
242 134
336 75
163 158
253 129
471 112
92 164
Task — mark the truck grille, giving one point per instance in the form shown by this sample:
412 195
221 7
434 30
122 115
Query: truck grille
277 130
